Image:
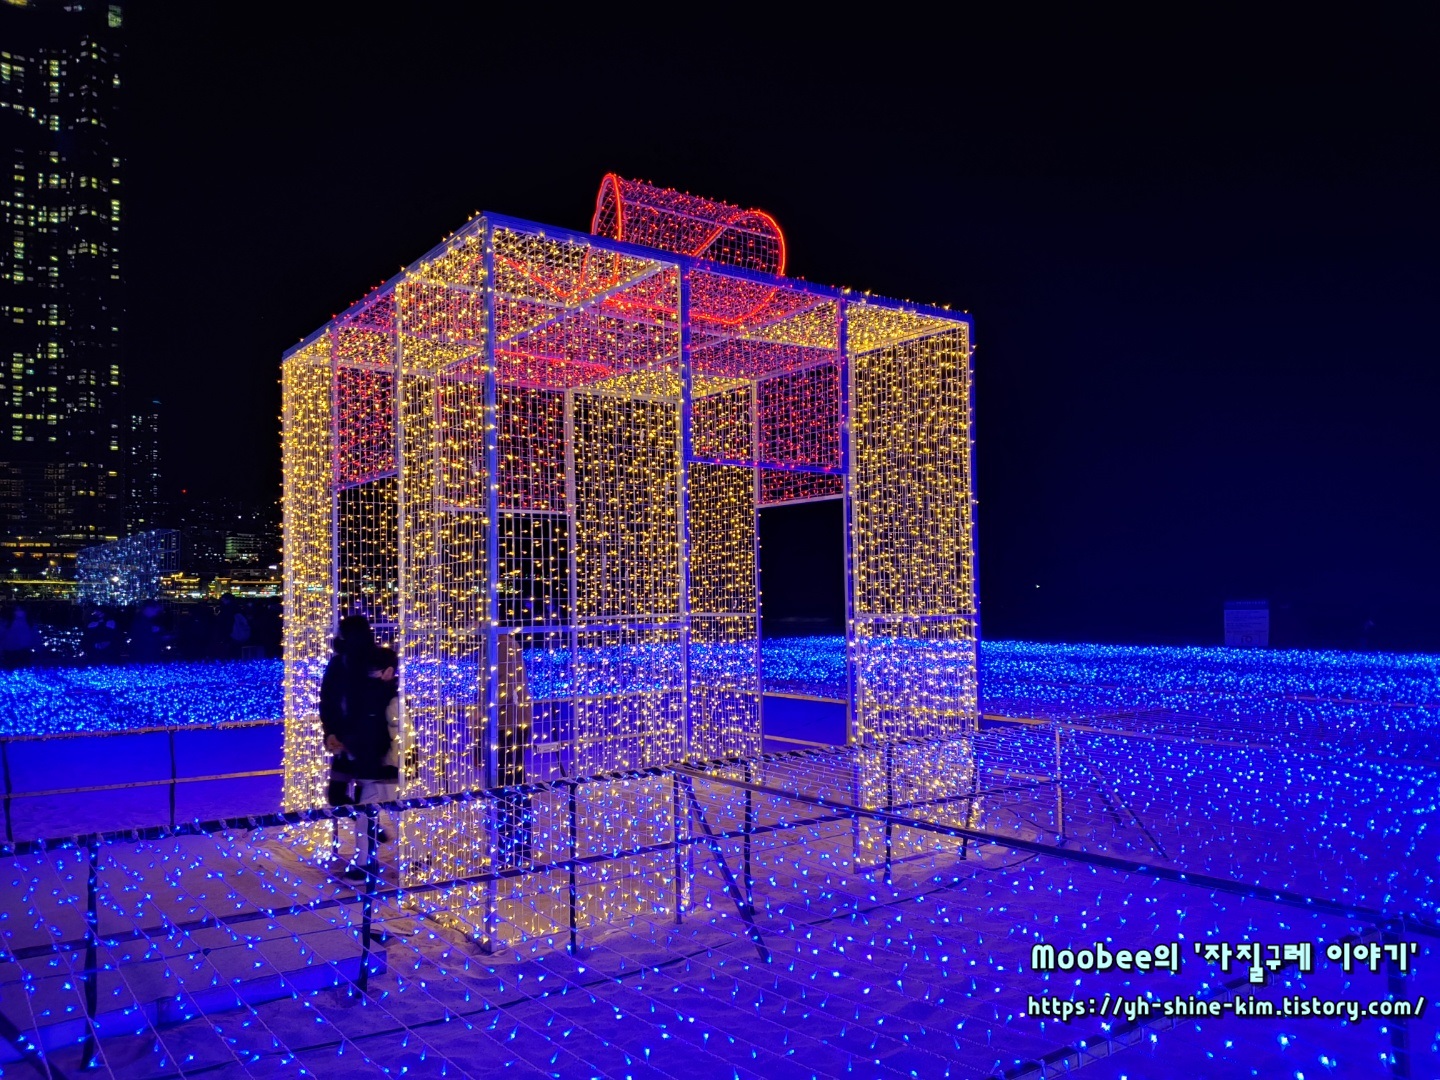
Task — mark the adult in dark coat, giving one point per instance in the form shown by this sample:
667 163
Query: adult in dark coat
345 681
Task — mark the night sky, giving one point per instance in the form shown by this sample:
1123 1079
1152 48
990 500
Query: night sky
1201 259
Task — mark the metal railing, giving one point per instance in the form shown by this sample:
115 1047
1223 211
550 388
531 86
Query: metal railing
505 865
171 781
507 862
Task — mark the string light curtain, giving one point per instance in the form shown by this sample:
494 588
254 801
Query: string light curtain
536 458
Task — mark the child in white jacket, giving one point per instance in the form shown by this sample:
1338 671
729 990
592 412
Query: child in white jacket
384 668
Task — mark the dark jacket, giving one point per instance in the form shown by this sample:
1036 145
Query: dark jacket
343 690
365 731
342 674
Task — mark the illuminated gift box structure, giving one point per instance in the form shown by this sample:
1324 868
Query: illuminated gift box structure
535 459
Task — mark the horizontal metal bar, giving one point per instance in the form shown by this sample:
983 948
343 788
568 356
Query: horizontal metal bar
145 784
1180 737
796 742
587 303
689 262
713 335
598 390
179 729
32 951
891 342
1110 862
620 247
626 695
913 618
770 466
612 625
830 359
766 504
326 813
353 485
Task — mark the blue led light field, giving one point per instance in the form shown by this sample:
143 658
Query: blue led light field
825 912
67 700
1389 702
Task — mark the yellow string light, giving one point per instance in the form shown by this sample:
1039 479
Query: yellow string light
592 601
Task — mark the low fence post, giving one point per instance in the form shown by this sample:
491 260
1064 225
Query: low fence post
857 749
675 835
970 819
1059 790
574 853
749 826
889 806
492 884
367 897
5 761
171 734
90 1051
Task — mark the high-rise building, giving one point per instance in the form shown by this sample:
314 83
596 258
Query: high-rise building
62 420
143 509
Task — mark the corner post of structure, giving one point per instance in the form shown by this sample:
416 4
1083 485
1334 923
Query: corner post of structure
974 521
842 339
333 337
402 565
687 447
757 490
492 524
287 600
90 1052
572 581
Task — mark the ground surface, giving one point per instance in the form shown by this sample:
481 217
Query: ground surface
884 927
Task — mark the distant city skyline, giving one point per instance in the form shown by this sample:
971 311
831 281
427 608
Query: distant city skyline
1202 266
63 455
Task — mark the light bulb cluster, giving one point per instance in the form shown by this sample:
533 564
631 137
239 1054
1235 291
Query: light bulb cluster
1381 705
1384 705
538 445
113 699
871 907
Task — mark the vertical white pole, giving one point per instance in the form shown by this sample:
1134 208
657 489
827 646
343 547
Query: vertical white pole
686 449
856 732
